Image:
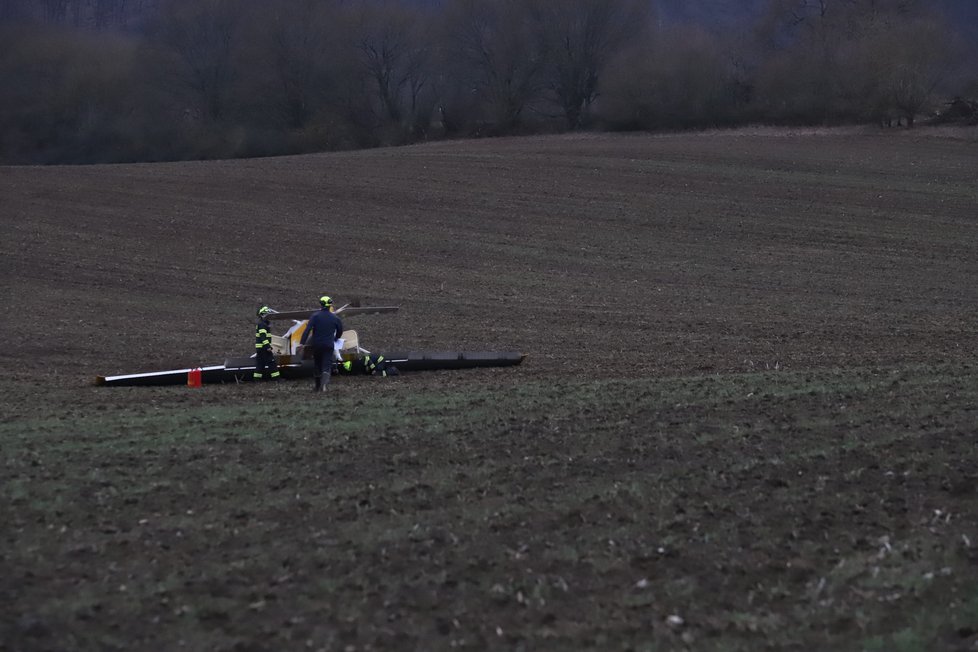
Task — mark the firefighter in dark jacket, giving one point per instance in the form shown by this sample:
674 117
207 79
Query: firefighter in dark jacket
369 364
324 328
265 366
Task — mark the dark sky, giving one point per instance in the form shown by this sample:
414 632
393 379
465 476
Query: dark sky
962 14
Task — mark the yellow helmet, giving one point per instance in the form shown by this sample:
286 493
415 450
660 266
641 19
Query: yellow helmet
326 302
264 310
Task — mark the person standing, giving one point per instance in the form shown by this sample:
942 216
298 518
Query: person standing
264 357
324 328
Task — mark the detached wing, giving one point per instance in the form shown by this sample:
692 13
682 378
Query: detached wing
345 311
350 311
298 315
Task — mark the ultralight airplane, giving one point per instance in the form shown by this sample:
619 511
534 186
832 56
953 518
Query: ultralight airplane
294 361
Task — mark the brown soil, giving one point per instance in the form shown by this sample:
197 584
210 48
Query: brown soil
748 401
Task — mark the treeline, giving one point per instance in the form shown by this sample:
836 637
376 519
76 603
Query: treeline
126 80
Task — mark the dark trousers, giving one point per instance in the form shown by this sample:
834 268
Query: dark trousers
265 365
322 360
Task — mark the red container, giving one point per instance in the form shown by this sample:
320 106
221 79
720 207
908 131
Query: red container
193 378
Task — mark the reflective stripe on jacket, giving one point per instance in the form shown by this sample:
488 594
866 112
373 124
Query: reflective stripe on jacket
262 338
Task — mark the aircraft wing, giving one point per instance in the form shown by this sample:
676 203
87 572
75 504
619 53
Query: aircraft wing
349 311
345 311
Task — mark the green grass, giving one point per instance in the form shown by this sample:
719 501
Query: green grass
535 508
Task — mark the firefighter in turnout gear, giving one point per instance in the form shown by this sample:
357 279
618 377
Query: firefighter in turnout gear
371 365
265 365
376 365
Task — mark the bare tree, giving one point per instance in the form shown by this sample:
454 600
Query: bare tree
493 46
201 35
677 80
805 38
831 59
913 58
578 39
394 59
289 55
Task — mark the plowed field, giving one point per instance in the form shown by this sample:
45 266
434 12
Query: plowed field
747 419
